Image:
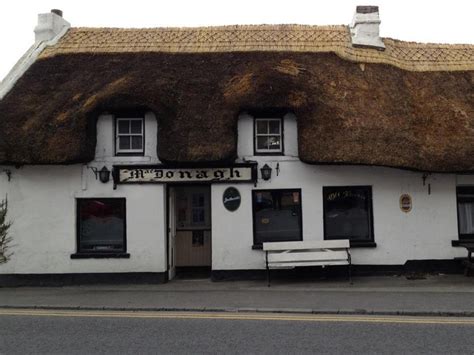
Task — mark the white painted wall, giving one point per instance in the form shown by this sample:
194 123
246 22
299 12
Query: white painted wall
42 208
424 233
105 147
245 142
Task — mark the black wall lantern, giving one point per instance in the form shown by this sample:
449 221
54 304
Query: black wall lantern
266 172
103 174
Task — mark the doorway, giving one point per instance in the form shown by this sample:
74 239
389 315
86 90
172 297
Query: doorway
189 240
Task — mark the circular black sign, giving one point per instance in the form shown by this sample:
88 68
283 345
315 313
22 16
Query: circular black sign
231 199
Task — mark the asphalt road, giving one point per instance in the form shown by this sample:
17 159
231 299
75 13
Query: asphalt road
90 332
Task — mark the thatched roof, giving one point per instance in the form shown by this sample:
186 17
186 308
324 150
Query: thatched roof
410 106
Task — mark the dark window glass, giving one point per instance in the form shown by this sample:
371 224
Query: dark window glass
262 127
466 212
274 127
277 215
348 213
137 142
274 142
136 126
124 142
262 142
123 127
101 225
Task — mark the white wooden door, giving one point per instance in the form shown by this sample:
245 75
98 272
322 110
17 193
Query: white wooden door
171 233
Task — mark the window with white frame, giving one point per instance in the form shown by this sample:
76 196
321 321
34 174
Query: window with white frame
130 135
268 136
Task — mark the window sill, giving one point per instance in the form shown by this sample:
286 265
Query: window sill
363 244
271 154
129 154
353 245
100 256
459 242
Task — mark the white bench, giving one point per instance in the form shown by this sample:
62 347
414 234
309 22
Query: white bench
288 255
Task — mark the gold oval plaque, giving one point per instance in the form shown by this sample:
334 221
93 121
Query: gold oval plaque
406 203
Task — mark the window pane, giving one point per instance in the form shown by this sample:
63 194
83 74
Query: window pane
274 127
262 127
466 211
136 126
262 142
198 216
466 217
198 200
274 142
101 225
277 215
198 238
137 142
347 213
124 142
123 126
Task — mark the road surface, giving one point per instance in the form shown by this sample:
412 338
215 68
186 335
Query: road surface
25 331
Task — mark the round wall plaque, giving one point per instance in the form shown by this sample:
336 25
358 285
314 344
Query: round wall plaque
406 203
231 199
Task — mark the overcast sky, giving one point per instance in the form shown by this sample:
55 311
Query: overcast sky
413 20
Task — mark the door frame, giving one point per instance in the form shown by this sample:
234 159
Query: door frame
168 231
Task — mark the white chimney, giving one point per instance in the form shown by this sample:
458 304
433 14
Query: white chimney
50 25
365 28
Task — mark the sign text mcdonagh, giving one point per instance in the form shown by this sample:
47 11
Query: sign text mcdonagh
175 175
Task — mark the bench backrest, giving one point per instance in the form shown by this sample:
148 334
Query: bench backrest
307 245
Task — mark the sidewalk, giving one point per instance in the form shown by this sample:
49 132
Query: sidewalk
436 295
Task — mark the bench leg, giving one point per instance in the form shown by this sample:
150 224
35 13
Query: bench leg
349 270
268 269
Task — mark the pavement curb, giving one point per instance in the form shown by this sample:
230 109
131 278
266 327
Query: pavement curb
252 310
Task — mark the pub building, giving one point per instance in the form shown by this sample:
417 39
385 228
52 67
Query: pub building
135 154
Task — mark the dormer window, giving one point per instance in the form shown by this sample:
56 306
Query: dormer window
268 136
129 137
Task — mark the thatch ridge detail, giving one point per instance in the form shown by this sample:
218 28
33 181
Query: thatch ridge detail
264 38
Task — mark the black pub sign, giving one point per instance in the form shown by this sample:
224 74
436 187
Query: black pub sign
231 199
139 174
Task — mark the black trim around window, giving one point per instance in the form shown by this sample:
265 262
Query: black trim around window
125 115
367 242
121 252
282 125
258 244
459 190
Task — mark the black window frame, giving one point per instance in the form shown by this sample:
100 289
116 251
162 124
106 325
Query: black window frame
81 254
469 236
131 116
259 245
354 243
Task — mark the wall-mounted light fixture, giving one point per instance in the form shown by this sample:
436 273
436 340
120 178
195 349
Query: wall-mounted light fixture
103 174
266 172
